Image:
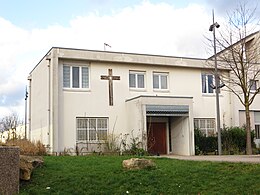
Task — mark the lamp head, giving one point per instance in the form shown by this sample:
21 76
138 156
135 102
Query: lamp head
211 27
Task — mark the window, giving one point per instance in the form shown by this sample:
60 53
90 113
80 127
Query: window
92 129
160 81
253 85
257 131
75 77
136 80
206 126
66 76
207 82
246 50
257 124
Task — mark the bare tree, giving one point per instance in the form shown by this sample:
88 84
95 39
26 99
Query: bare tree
1 131
10 123
240 54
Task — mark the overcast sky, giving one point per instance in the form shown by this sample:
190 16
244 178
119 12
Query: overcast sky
29 28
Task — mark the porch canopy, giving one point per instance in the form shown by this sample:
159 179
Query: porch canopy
167 110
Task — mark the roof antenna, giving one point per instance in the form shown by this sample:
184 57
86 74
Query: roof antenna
106 45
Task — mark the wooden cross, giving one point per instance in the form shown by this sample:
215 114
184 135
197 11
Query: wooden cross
110 79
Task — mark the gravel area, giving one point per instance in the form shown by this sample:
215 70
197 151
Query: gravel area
221 158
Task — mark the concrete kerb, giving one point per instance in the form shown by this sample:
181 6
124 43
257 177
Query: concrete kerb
222 158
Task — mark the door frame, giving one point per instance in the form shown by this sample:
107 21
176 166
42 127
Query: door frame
159 119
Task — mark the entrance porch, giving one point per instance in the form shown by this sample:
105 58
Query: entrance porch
164 123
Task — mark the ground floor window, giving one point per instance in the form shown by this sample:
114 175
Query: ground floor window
205 125
257 131
257 124
92 129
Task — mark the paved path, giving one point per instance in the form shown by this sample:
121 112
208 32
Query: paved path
222 158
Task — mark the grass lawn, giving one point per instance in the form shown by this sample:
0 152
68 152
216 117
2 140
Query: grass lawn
105 175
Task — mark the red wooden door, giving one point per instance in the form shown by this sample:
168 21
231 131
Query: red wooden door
156 138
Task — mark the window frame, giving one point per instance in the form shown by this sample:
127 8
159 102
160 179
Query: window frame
257 131
207 85
90 137
160 74
136 73
207 121
255 84
257 124
80 77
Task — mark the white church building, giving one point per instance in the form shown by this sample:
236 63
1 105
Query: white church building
80 98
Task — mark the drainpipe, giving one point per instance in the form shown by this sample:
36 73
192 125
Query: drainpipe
25 113
49 99
170 133
30 106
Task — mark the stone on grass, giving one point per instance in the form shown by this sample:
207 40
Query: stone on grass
27 164
138 163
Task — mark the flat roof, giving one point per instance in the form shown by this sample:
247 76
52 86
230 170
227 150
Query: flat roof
127 58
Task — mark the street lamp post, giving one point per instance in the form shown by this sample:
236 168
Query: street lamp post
25 114
212 28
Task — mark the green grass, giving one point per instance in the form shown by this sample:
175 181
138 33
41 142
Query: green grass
105 175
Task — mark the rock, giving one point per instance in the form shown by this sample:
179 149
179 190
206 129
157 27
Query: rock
27 164
138 163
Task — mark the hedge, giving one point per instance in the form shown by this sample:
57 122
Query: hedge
233 141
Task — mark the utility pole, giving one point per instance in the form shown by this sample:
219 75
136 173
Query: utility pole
25 113
212 28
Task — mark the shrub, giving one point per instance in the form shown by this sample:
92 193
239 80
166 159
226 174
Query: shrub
203 144
135 146
124 145
234 140
27 147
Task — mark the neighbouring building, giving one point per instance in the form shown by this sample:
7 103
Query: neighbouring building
10 134
81 98
247 49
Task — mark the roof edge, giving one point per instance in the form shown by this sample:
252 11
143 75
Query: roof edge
129 53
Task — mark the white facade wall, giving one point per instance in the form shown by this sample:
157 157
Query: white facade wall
38 101
179 136
67 104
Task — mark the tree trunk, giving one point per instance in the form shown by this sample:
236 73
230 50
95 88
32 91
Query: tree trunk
248 131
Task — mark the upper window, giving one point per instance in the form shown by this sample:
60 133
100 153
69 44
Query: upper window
207 83
160 80
136 80
92 129
253 85
75 76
